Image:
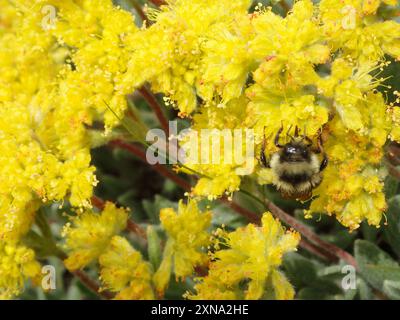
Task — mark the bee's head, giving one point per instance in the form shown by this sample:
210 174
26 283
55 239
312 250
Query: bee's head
295 151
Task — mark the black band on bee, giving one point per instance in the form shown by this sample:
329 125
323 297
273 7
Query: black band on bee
295 179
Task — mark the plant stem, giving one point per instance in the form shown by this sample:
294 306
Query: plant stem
251 216
310 235
393 171
135 228
157 2
139 152
92 285
86 280
153 103
317 251
98 203
139 10
284 6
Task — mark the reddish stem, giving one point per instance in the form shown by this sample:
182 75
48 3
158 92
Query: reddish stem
86 280
158 2
307 233
251 216
153 103
135 228
139 152
393 170
317 251
98 203
284 6
139 10
92 285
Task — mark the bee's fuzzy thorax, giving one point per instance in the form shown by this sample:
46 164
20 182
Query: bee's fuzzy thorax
281 167
295 178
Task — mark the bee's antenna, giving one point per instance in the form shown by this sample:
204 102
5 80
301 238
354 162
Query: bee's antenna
296 131
276 140
288 132
264 136
304 136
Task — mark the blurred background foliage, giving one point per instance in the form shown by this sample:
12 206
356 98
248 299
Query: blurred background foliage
127 181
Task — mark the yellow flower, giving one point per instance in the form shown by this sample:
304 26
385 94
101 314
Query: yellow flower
223 132
168 54
90 234
348 26
394 113
187 237
123 270
252 258
17 263
352 187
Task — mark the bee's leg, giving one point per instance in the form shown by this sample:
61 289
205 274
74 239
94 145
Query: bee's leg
324 162
296 131
309 142
276 141
262 153
288 132
320 149
263 160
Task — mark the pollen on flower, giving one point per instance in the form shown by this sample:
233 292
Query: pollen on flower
17 263
187 238
90 233
320 70
252 253
123 270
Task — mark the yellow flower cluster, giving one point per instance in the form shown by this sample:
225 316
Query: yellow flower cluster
316 69
102 37
248 267
124 271
187 238
63 61
214 129
94 237
168 54
90 234
352 27
17 263
60 60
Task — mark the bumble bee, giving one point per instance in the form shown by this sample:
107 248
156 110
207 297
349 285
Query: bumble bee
296 166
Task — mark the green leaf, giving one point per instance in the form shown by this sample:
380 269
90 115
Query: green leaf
340 237
134 125
375 265
152 208
299 270
391 231
128 198
392 289
154 247
223 215
391 186
308 280
370 233
364 290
